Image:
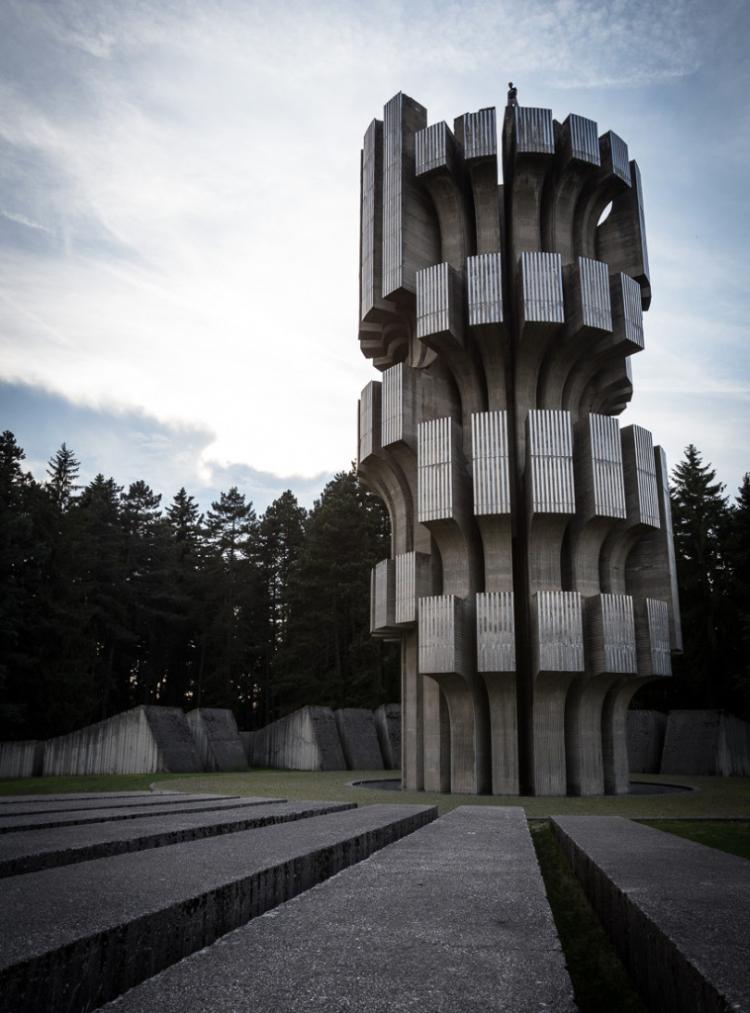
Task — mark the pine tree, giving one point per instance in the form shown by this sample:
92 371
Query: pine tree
62 470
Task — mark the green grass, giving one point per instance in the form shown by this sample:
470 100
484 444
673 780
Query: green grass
600 981
733 837
78 784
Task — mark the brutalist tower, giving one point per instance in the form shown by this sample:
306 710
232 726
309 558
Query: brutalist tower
531 581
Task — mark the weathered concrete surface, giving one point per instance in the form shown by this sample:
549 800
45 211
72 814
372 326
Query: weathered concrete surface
62 805
388 726
43 797
453 919
21 759
678 913
75 937
246 739
308 739
706 742
33 850
143 740
77 817
359 738
218 740
645 740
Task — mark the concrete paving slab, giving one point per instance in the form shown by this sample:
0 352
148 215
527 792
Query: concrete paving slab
72 938
63 805
40 821
678 912
33 850
452 919
74 796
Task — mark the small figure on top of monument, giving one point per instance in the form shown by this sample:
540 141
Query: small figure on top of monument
512 93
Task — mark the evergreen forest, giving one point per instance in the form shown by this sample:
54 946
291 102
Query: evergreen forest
110 598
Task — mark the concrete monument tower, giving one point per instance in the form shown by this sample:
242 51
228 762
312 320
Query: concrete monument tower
531 581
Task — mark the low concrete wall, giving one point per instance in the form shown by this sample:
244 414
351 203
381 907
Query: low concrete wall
645 741
359 739
217 738
308 739
388 726
21 759
706 742
144 740
246 739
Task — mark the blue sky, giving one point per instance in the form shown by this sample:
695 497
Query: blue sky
179 215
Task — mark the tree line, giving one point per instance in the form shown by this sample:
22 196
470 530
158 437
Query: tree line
108 599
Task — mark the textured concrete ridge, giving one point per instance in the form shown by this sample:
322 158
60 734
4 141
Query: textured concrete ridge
76 796
308 739
32 850
61 805
217 738
40 821
645 741
677 912
21 759
452 919
359 738
388 726
72 938
706 742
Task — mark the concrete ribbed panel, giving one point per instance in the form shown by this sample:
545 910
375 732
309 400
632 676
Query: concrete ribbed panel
434 148
608 484
641 493
484 275
398 410
438 301
490 462
383 586
611 634
550 445
638 188
437 461
584 139
441 633
369 420
542 288
557 620
496 636
654 655
632 309
596 301
615 152
412 583
534 131
480 134
665 514
393 253
371 241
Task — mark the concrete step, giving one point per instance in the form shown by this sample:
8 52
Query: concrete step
75 796
72 938
76 817
452 919
678 912
103 802
33 850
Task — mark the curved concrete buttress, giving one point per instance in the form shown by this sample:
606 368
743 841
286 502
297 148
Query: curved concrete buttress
496 661
484 279
440 169
612 179
528 153
476 134
576 165
621 238
412 714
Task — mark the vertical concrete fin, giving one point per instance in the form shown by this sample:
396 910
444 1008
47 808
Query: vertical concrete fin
496 636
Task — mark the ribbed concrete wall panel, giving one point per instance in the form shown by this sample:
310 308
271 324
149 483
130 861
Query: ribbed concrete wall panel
392 410
641 494
438 301
611 634
21 759
371 239
370 401
638 188
542 288
606 466
652 638
480 134
359 738
550 444
384 595
412 583
617 154
434 148
595 298
665 516
437 447
584 139
496 637
388 726
557 621
441 633
218 739
534 131
308 739
632 311
485 286
490 462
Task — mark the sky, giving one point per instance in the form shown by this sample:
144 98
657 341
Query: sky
179 208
